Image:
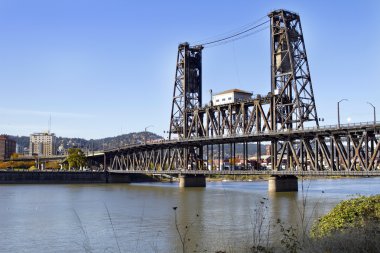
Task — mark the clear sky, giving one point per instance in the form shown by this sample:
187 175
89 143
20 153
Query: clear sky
105 67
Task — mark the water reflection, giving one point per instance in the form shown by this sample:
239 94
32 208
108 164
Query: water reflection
222 216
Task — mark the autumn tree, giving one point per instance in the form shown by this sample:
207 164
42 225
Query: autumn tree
76 158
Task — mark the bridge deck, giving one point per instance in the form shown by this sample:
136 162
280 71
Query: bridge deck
252 172
322 131
331 150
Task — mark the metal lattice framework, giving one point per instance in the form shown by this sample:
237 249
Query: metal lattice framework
291 80
187 96
350 148
198 133
187 93
243 117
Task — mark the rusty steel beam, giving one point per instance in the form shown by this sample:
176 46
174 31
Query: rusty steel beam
350 149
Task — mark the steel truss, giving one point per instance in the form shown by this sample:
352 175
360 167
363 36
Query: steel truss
245 117
187 96
347 149
187 93
197 133
290 73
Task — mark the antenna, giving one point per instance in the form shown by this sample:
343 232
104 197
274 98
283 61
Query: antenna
49 129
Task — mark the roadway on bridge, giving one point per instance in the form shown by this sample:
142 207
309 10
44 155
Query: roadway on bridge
252 172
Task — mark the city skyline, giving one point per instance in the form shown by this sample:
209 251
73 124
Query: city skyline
105 68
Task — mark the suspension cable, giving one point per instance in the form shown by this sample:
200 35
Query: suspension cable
235 39
230 32
228 38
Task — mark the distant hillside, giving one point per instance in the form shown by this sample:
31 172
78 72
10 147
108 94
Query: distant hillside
22 141
97 144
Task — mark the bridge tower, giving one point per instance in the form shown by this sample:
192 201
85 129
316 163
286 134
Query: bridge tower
187 92
187 95
294 102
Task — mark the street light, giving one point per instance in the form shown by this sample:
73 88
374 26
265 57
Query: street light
145 131
344 99
166 132
374 113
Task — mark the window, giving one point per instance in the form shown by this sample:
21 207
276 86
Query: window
217 100
223 99
229 98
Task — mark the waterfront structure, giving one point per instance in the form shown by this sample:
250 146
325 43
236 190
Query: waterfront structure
230 96
42 144
7 147
286 118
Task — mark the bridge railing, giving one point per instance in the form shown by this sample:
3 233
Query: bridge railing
368 124
348 125
305 129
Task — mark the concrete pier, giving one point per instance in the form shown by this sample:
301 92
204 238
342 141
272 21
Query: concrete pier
283 184
192 181
118 178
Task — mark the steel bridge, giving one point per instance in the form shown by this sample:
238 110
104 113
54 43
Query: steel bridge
348 148
285 119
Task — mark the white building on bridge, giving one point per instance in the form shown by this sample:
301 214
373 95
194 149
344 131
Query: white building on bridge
230 96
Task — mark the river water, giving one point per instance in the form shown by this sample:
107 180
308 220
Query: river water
141 218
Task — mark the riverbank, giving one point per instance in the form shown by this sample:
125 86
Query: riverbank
69 177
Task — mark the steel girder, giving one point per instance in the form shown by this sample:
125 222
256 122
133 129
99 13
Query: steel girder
349 152
161 159
356 149
246 117
187 93
290 73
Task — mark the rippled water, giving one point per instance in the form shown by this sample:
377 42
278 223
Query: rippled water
140 217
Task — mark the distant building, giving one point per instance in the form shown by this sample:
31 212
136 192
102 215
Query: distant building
230 96
42 144
7 147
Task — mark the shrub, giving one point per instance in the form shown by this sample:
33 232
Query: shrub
357 213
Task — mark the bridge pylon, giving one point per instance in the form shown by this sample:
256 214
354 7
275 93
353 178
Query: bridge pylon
294 102
187 95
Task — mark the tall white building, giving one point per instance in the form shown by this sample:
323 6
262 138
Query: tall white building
42 144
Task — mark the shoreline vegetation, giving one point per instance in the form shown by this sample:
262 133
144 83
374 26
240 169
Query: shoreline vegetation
353 225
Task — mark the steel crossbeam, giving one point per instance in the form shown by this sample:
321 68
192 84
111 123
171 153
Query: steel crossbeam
347 149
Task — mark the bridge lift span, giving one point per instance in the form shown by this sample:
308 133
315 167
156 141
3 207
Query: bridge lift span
289 104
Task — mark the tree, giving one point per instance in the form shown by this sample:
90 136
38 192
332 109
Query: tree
76 158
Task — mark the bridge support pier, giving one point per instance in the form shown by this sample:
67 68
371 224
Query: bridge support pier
283 184
117 178
192 181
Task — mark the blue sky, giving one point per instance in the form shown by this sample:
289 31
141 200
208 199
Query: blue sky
106 67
